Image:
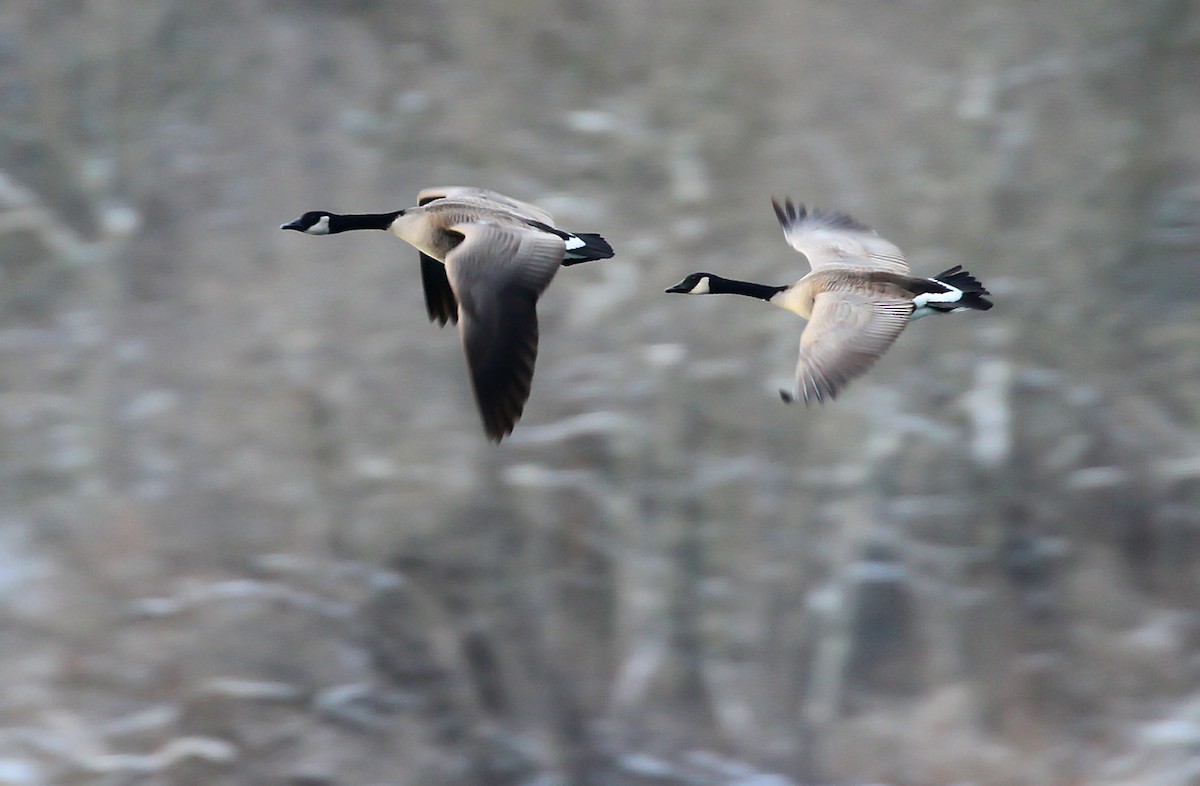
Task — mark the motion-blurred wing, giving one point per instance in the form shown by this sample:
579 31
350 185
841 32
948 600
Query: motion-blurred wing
830 239
847 333
440 303
498 272
494 200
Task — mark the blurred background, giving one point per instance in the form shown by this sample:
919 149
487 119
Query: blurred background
252 532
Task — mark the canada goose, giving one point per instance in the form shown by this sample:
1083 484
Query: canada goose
857 299
485 260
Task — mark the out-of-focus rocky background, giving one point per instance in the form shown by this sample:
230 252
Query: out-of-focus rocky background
251 532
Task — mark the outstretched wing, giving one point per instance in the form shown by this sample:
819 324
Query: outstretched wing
498 272
830 239
440 303
495 200
847 333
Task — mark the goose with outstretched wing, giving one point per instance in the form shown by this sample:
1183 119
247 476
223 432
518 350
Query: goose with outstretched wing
485 260
857 298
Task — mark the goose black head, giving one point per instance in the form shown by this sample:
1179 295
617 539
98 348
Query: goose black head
320 222
314 222
695 284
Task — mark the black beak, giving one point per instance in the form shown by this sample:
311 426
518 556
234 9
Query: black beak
679 288
294 225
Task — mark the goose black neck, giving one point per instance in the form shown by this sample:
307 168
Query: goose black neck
354 221
731 286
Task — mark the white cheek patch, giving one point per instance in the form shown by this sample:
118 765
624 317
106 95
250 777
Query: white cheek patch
701 288
319 228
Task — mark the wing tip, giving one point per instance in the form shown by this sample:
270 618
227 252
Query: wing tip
789 397
500 416
501 401
497 435
791 214
788 212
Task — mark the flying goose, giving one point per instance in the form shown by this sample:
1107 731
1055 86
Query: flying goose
857 299
485 260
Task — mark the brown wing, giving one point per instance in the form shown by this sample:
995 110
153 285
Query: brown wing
498 272
831 239
494 200
847 333
440 303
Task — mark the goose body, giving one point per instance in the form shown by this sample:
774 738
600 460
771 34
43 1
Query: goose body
485 259
858 297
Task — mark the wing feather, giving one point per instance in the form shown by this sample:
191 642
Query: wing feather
498 272
847 333
440 303
829 239
493 199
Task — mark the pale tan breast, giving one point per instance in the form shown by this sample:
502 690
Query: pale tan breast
799 298
425 231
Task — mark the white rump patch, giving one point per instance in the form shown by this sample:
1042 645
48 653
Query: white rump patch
953 296
573 243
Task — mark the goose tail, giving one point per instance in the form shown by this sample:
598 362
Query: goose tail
973 293
585 247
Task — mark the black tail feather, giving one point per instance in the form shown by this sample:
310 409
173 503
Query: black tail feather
595 247
973 291
961 279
